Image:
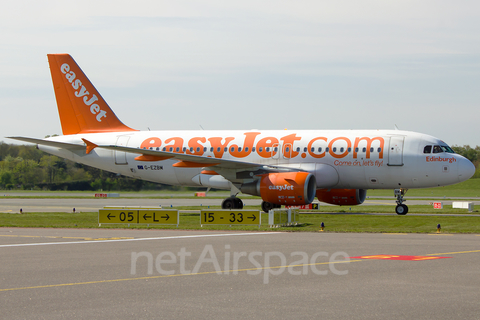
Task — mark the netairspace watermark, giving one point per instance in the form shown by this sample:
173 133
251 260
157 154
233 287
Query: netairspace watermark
166 262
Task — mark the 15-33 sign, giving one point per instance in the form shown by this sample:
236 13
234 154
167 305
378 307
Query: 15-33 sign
230 217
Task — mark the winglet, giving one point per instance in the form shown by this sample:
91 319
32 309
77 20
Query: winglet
80 106
90 145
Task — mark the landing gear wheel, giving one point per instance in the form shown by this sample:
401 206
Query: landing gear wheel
401 209
267 206
228 203
238 203
232 203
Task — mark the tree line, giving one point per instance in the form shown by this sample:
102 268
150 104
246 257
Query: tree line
27 168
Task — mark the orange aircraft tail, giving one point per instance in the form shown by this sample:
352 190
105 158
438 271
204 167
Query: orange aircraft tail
81 108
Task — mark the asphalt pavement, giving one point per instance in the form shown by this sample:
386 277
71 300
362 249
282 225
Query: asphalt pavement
146 274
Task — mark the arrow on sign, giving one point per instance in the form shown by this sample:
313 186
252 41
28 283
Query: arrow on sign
145 216
109 217
163 217
252 217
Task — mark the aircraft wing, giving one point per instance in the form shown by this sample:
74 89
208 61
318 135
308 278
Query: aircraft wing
50 143
193 160
185 160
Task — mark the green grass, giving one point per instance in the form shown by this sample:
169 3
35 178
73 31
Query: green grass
337 219
337 222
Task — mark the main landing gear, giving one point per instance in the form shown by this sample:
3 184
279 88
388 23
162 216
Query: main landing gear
235 203
232 203
400 209
267 206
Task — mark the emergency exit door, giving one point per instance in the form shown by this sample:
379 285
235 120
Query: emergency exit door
395 151
120 156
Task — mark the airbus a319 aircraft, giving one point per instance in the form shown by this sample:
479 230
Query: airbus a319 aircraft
284 167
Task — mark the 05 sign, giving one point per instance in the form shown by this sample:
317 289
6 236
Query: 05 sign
138 216
230 217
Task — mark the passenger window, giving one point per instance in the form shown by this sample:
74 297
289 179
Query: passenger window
267 149
437 149
298 149
253 149
320 149
379 150
334 149
364 149
246 149
349 149
371 149
305 149
260 149
327 149
313 149
427 149
356 149
342 149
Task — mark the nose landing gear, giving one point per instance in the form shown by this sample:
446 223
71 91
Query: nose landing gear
401 209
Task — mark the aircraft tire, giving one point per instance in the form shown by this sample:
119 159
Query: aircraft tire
401 209
238 203
228 203
267 206
232 203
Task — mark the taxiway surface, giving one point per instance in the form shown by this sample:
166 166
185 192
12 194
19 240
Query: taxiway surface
124 274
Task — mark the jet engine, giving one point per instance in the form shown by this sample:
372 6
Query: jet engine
342 197
286 188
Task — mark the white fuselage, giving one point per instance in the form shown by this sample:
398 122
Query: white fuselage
350 159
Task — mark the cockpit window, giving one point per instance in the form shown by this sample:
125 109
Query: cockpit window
437 149
447 149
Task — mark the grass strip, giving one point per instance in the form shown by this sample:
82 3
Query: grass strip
309 223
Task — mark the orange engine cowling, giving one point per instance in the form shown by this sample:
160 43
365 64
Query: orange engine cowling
342 197
287 188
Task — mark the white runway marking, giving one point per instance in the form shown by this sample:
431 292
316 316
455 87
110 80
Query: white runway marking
138 239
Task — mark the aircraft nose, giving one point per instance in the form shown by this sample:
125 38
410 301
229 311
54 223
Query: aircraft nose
466 169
